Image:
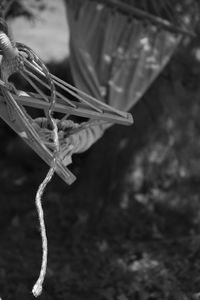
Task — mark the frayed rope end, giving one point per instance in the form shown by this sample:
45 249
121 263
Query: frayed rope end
37 289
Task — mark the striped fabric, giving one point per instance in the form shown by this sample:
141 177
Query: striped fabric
113 57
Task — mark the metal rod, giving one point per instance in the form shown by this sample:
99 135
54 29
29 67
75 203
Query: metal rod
77 93
79 111
34 85
33 139
69 88
78 96
101 104
47 86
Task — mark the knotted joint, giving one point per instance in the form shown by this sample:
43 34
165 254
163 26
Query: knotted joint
8 49
12 60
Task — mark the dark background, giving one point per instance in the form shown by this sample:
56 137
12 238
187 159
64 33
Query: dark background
129 227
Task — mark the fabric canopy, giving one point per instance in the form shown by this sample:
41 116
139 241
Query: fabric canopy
114 57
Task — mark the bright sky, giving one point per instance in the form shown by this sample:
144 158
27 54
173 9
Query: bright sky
48 35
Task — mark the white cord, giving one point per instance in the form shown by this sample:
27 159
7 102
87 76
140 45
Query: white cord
37 288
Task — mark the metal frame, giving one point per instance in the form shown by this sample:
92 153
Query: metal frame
13 107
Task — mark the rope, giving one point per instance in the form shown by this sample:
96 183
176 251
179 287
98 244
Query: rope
73 137
12 62
37 288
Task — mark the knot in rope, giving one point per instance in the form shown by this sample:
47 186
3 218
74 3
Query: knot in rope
7 47
12 60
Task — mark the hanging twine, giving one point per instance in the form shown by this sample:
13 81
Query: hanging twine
10 64
37 288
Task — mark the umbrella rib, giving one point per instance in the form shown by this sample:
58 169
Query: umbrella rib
47 86
73 91
77 96
66 87
34 85
105 106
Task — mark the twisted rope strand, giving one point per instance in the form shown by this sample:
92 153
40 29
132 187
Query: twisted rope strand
10 56
38 286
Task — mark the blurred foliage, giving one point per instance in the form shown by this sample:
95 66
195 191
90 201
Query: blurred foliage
15 8
183 13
